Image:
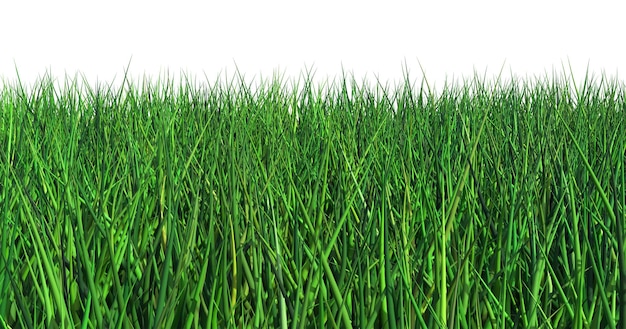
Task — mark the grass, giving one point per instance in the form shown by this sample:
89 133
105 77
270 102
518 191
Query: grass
299 206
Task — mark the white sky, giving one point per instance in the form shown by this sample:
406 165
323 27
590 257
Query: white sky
448 38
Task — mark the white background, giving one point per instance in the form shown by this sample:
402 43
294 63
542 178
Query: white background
366 38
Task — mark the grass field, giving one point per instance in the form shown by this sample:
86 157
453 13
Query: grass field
219 205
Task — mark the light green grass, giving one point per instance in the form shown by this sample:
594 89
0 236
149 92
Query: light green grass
219 206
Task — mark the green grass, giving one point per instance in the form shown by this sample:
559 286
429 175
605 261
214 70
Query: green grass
219 205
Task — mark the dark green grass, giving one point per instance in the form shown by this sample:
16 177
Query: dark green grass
313 207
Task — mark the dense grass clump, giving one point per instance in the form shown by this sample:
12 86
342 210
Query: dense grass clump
220 206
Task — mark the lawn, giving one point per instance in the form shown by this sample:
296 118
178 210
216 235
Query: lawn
296 205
